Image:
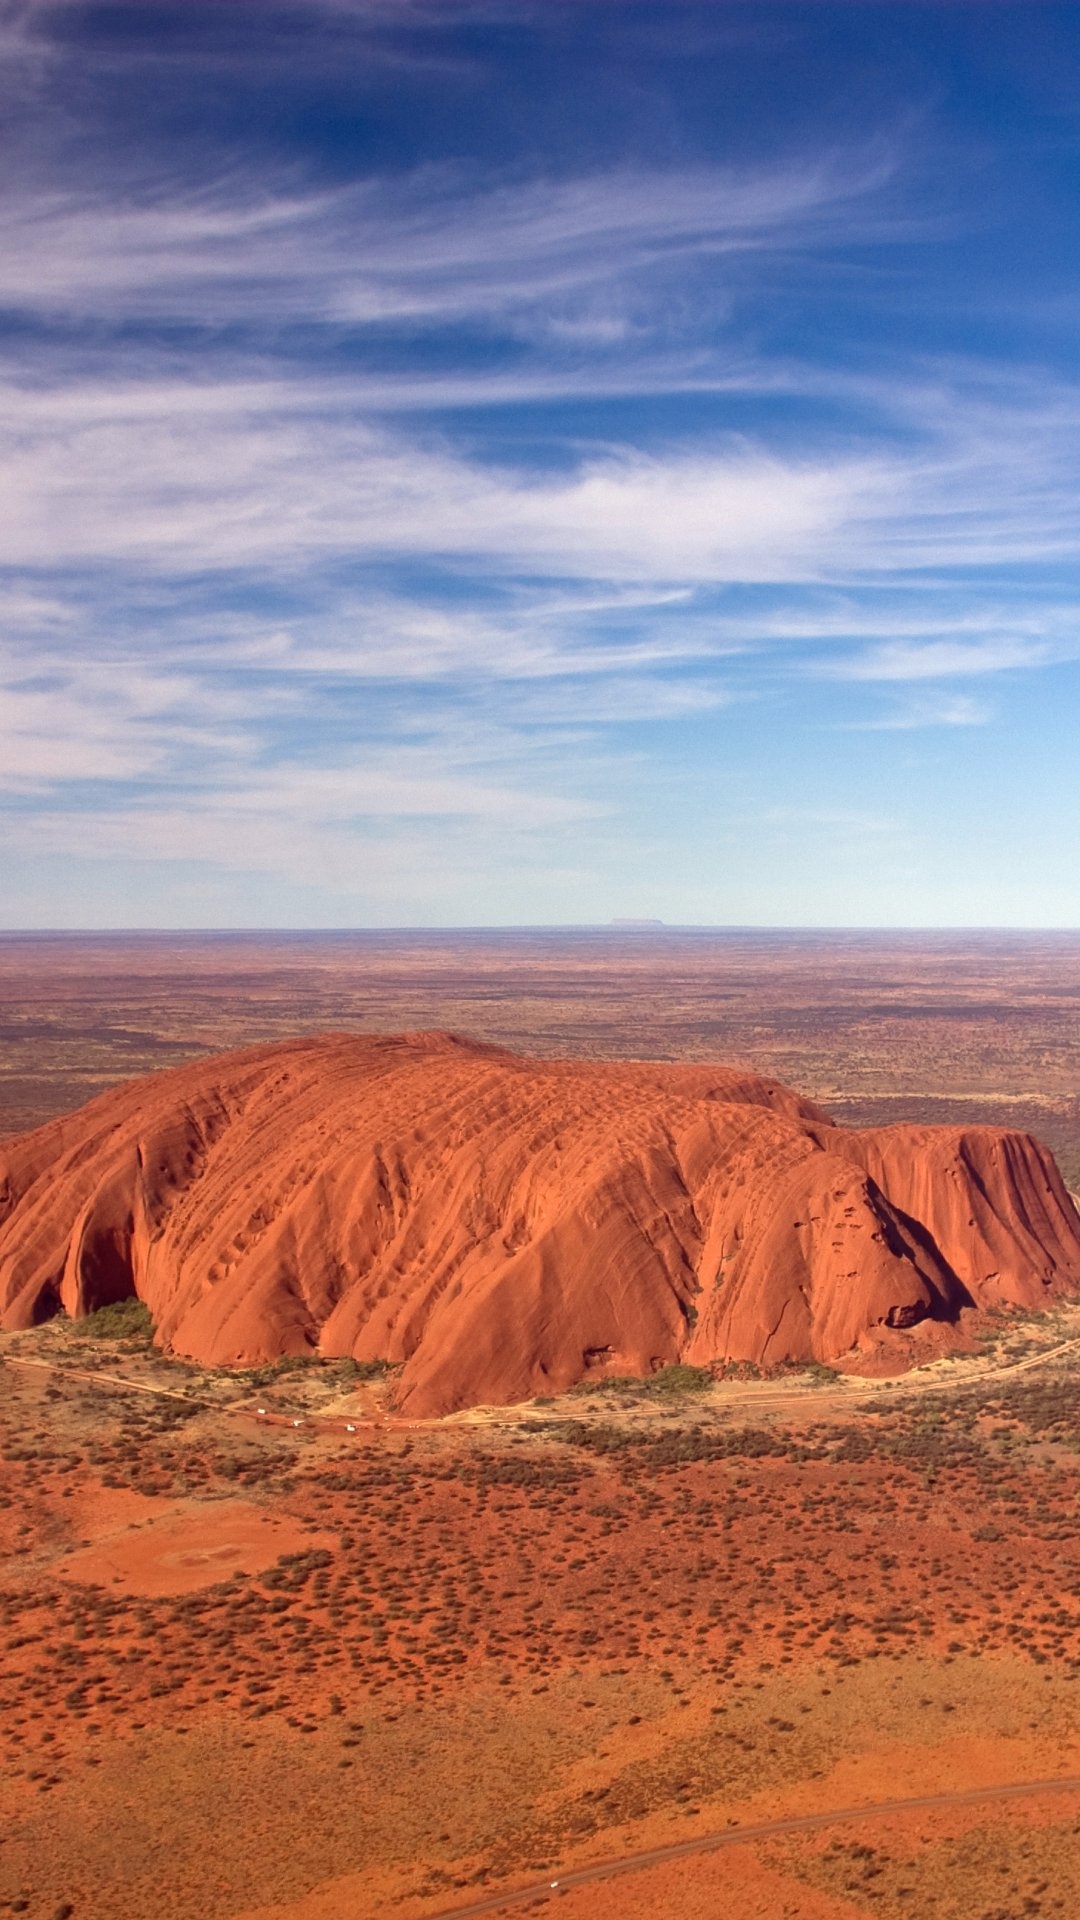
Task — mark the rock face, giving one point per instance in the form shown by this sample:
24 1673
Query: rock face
503 1226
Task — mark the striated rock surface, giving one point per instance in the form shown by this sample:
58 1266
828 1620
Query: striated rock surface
503 1226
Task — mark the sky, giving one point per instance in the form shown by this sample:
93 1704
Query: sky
511 462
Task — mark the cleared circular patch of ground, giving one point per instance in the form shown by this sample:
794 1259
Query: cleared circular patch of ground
188 1547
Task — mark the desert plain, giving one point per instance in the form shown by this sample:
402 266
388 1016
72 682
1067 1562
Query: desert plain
273 1650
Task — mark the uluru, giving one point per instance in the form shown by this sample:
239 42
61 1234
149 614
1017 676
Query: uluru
499 1228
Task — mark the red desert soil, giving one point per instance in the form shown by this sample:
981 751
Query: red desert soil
509 1650
186 1548
500 1227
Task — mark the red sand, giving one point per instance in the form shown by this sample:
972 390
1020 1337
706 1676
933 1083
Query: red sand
503 1227
188 1547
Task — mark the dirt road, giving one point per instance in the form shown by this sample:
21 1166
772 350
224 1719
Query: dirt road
771 1400
742 1836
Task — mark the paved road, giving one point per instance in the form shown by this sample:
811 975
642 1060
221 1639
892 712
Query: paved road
740 1836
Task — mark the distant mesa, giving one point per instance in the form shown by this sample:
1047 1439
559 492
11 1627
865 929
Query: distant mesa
637 926
502 1227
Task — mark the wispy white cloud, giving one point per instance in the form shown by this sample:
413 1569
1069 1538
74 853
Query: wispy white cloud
181 479
846 823
408 645
353 828
74 719
937 710
404 782
430 864
938 659
183 476
429 245
317 563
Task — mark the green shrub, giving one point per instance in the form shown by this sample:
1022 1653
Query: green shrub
820 1374
681 1379
123 1320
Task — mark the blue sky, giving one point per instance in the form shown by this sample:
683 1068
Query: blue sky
470 463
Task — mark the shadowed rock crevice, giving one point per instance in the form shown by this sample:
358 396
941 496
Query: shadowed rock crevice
104 1272
909 1239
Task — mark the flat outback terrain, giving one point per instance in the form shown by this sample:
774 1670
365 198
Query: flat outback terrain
752 1641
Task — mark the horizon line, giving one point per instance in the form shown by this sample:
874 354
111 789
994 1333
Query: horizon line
638 929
